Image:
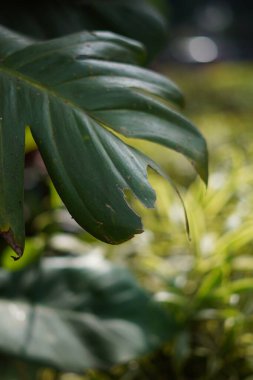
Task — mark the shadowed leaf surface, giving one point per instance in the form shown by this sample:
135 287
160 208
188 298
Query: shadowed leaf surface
138 19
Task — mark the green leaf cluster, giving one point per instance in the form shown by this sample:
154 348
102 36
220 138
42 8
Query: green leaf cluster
77 93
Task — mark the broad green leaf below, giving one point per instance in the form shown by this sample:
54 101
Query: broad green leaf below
74 99
75 313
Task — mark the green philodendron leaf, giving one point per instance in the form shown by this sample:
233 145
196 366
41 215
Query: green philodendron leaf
78 313
74 93
138 19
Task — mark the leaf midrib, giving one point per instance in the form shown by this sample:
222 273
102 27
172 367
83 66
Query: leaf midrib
45 89
49 92
16 75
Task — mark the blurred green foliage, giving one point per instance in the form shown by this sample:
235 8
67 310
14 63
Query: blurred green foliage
206 282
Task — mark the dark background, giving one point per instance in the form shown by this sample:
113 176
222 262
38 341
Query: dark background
228 24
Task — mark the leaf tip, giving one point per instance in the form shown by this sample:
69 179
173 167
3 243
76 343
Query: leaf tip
205 172
202 166
8 236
